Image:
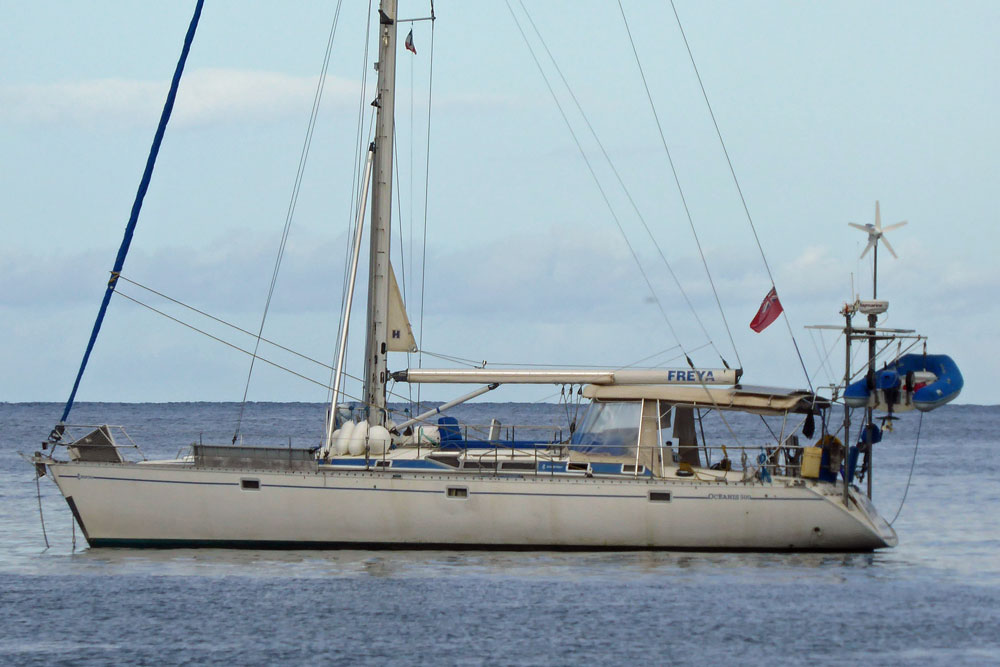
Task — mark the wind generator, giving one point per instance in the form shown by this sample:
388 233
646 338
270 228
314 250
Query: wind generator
876 233
911 381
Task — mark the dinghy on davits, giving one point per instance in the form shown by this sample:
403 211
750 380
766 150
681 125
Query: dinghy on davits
920 381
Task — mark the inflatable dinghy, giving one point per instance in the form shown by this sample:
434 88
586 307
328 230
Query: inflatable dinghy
921 381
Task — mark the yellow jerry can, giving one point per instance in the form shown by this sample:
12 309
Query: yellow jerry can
811 459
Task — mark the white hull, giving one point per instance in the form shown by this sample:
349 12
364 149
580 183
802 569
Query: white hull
176 504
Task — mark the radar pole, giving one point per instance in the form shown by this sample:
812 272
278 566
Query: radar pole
869 432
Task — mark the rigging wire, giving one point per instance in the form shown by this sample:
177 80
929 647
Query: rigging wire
481 364
253 353
412 105
399 218
680 190
651 356
614 216
739 189
290 213
913 463
409 389
250 353
427 177
356 184
221 321
344 320
597 182
458 360
133 220
621 183
863 369
41 516
824 363
682 355
611 210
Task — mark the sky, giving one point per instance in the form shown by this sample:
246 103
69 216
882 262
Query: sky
824 107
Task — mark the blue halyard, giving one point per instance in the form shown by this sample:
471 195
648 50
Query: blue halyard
147 175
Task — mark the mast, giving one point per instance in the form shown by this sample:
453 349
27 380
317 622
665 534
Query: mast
378 280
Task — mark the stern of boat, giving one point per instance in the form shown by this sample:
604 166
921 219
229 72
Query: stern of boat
876 522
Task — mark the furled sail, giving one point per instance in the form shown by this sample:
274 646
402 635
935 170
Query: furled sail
400 333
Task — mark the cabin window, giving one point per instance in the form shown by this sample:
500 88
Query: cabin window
659 496
611 428
250 484
458 492
517 465
448 460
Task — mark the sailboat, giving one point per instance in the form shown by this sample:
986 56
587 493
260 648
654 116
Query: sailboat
636 473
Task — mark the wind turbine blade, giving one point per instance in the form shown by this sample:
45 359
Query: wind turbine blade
871 244
894 226
878 217
888 247
857 226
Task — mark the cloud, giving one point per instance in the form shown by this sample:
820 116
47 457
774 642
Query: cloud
474 102
560 294
513 286
206 96
230 273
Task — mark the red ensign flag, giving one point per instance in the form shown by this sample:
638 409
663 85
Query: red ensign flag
770 308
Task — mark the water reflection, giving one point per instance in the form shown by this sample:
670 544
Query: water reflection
422 564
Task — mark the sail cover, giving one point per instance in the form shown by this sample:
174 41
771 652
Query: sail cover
400 333
625 376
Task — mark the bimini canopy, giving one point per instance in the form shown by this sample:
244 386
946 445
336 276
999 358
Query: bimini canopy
759 400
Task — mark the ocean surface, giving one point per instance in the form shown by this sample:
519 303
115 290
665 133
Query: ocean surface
935 599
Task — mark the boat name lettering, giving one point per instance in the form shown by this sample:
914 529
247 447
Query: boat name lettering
690 376
729 496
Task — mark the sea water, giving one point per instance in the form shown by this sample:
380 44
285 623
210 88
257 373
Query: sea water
934 599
